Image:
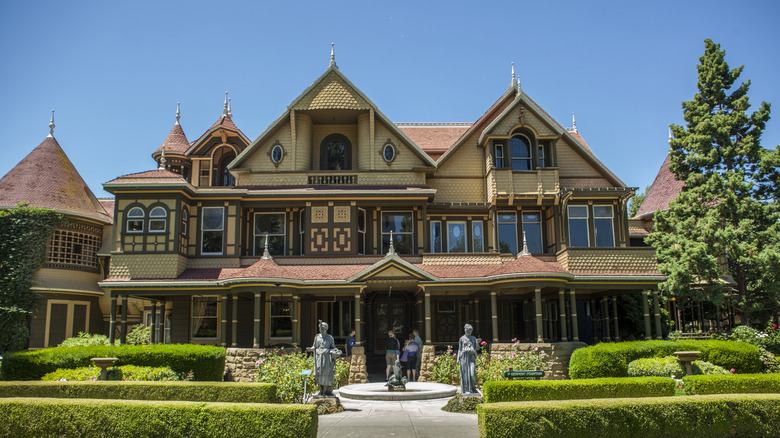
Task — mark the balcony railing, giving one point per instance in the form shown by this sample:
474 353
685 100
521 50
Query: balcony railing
333 179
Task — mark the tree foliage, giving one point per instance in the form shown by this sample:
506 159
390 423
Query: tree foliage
636 202
24 232
720 238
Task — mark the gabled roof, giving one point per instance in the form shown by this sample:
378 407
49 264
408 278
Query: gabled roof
175 143
333 95
46 178
664 189
434 138
150 176
392 266
225 122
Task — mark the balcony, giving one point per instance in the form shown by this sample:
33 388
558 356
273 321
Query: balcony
526 183
332 179
609 261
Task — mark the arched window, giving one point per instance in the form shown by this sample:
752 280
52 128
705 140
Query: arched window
520 149
158 220
220 177
335 153
135 220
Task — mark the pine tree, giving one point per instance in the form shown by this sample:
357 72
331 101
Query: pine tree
720 238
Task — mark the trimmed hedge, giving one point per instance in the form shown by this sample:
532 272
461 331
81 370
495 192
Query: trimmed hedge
748 415
733 384
207 362
656 366
611 360
525 390
125 372
213 392
125 418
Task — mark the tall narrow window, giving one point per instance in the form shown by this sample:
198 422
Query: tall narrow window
361 228
402 227
435 236
212 226
185 220
578 225
541 155
158 220
507 232
271 225
456 237
532 225
477 240
602 225
499 155
335 153
220 174
204 317
135 220
520 148
281 319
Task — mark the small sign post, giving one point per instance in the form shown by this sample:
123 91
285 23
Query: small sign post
523 374
305 374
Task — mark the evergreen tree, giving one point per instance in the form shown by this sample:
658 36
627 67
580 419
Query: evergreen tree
720 238
636 202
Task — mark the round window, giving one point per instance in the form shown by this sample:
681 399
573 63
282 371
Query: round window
277 153
389 152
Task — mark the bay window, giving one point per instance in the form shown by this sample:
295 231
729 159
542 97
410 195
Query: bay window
603 225
578 225
212 227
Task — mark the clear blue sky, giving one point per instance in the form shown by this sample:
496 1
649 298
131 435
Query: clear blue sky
115 70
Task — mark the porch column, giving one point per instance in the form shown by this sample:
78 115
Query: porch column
476 316
575 330
646 311
296 321
234 332
358 320
165 333
494 314
223 327
615 318
539 322
112 323
605 318
123 322
153 327
256 328
428 317
594 321
562 315
657 314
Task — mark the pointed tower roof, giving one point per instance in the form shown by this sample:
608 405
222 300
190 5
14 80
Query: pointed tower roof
225 121
176 142
62 189
664 189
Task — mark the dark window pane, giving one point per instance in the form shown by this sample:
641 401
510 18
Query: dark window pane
79 319
212 242
578 232
402 243
604 233
456 237
275 245
269 223
533 236
212 218
507 238
477 241
397 223
436 236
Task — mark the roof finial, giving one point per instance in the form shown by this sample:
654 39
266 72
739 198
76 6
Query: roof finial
225 108
333 55
391 250
573 123
51 125
525 251
514 78
178 112
162 159
230 112
266 253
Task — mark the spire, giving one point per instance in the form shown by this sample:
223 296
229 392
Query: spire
51 125
230 112
333 55
266 253
391 250
162 158
525 251
225 108
514 78
573 123
178 112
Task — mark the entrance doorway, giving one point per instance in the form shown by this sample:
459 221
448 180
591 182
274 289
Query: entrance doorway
388 311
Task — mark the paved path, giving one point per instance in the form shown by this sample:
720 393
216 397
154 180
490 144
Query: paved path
377 419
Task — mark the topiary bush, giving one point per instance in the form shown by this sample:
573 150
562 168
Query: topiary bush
668 366
732 384
526 390
125 372
207 362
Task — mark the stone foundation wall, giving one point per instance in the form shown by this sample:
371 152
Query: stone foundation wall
240 363
556 355
426 366
357 366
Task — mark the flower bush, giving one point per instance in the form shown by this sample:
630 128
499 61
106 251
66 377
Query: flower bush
767 341
85 340
446 368
284 370
490 366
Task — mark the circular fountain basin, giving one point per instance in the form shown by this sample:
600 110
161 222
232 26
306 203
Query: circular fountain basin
414 391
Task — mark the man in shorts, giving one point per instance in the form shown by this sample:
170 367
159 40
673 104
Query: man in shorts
392 348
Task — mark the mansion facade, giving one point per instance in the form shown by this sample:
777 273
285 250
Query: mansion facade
336 213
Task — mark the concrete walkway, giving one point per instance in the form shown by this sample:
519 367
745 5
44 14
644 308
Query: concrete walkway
413 418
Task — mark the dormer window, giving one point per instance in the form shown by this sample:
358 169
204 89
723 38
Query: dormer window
520 148
335 153
220 175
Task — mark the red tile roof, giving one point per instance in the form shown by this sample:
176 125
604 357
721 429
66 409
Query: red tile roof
108 205
434 138
47 178
223 122
664 189
157 175
579 138
176 142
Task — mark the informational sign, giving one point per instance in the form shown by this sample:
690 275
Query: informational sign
523 373
306 372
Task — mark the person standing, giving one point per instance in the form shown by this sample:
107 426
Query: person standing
418 341
350 343
392 347
411 351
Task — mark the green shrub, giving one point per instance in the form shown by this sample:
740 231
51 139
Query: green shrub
445 368
490 366
140 335
207 362
611 360
747 415
284 370
85 340
702 367
732 384
109 418
668 366
125 372
525 390
213 392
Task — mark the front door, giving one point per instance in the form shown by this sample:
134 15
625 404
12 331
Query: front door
389 312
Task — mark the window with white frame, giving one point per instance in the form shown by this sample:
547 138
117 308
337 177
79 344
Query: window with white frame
361 228
204 317
578 225
456 237
477 239
603 216
507 232
436 236
158 220
520 148
280 319
541 155
135 220
532 225
401 225
185 221
212 230
499 147
271 225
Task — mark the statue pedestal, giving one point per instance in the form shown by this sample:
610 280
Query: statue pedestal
326 405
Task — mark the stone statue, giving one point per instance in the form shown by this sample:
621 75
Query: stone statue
467 359
325 355
397 381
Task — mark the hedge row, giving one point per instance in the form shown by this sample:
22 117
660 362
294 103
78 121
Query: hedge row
611 360
748 415
733 384
212 392
207 362
525 390
123 418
